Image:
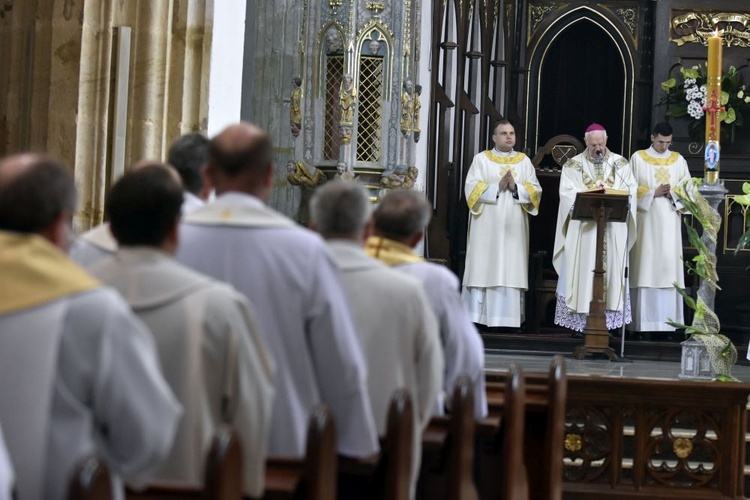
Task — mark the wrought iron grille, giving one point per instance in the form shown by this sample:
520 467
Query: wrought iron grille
334 72
369 123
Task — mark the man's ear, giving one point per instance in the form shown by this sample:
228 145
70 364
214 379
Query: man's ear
208 184
414 241
59 232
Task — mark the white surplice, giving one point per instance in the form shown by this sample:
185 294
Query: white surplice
108 397
656 257
97 243
93 245
574 255
497 249
288 275
211 354
6 471
399 335
78 374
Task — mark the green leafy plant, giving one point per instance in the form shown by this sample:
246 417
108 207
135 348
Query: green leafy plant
685 96
744 199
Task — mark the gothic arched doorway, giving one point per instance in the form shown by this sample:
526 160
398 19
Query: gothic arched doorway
582 81
581 71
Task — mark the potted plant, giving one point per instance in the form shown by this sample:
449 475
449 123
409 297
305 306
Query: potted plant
705 347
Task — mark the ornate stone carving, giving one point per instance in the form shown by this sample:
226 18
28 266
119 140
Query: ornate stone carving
628 16
295 109
417 106
407 108
399 177
347 99
696 27
538 13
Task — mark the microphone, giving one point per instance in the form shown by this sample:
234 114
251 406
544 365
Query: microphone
599 153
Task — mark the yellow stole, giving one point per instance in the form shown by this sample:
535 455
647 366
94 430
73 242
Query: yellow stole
35 272
390 252
662 162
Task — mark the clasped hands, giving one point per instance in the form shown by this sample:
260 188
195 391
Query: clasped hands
663 190
507 182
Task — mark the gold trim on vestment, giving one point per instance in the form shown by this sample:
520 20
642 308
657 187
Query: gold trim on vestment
390 252
505 160
669 160
476 193
36 272
642 191
534 195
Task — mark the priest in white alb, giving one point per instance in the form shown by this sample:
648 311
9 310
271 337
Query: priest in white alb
287 273
502 191
574 256
206 333
656 258
79 374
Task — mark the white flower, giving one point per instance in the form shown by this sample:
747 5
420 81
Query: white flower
740 94
747 99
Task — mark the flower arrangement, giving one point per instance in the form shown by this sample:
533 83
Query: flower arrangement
685 97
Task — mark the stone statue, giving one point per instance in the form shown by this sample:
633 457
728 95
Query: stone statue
348 98
374 47
343 173
406 108
345 134
417 106
295 110
334 43
307 177
399 177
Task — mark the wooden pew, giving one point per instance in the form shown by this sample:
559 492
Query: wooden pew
513 472
544 421
90 481
386 476
311 478
223 475
448 450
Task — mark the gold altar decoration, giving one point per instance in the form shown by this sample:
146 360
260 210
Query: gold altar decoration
698 27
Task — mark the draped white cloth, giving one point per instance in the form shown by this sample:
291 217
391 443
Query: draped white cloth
211 354
108 396
289 276
6 471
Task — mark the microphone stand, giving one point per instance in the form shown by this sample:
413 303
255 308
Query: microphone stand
622 358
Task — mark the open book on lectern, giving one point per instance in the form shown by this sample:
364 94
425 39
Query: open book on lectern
614 201
606 190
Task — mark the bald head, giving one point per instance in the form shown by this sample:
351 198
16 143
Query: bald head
35 193
240 159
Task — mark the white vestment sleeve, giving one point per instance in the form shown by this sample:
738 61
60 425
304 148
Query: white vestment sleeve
490 194
523 194
430 362
251 399
6 471
132 402
339 362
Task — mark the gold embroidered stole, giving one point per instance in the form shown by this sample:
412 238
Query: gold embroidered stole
35 272
390 252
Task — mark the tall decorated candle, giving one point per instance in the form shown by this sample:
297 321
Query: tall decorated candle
713 108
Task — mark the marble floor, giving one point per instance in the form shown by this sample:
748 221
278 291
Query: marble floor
501 360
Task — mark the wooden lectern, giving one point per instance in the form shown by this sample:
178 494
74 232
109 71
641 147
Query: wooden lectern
601 207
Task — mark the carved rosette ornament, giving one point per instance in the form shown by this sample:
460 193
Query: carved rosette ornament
628 17
538 13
